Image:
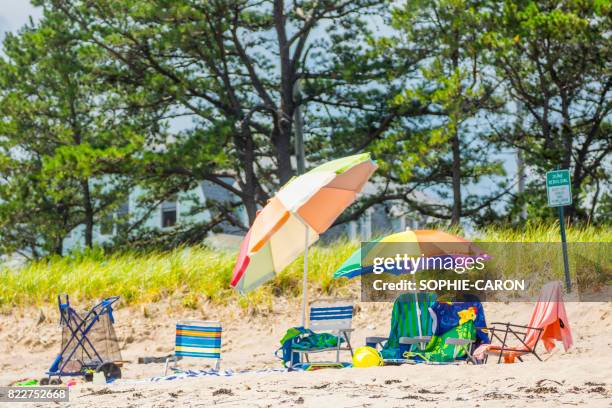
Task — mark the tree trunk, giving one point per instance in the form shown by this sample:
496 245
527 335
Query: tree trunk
594 202
298 126
34 251
59 247
248 187
456 175
244 141
456 146
520 168
283 153
282 139
567 135
89 214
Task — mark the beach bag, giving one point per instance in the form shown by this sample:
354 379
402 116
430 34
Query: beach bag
299 338
292 336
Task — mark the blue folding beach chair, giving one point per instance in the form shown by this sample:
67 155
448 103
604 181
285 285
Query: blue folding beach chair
196 338
334 316
89 343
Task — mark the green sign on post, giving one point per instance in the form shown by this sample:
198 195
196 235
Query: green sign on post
558 188
559 192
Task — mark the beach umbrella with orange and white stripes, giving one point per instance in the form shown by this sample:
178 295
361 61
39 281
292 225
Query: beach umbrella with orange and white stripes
294 218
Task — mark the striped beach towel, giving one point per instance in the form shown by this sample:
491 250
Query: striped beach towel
405 322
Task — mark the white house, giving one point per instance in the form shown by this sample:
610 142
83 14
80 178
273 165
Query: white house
377 220
165 216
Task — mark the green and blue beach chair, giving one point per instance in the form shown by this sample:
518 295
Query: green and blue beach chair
405 334
196 338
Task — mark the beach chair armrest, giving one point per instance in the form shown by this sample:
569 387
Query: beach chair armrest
346 333
346 330
414 340
500 331
502 325
375 341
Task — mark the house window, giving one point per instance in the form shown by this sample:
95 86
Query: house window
119 218
107 225
169 214
122 217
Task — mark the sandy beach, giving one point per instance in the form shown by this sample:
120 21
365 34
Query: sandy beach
29 340
192 176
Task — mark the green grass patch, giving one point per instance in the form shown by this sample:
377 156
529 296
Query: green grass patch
188 274
196 273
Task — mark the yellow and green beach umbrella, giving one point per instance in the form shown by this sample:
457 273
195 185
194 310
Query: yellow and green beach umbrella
414 243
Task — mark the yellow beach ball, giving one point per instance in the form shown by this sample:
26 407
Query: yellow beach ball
365 357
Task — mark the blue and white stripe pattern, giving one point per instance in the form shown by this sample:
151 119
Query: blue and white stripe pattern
198 339
331 315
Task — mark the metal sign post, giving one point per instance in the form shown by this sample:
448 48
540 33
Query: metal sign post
559 193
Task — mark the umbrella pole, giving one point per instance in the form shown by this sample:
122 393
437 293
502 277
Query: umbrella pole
305 280
416 299
418 308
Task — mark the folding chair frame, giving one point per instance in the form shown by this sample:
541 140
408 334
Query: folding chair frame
419 341
519 332
462 344
339 333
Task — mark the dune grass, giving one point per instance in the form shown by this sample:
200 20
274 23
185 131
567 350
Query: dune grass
540 232
191 275
188 273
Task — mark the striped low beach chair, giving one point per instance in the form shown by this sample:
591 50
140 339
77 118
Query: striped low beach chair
334 316
196 338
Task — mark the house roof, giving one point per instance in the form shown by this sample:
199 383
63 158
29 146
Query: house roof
217 193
